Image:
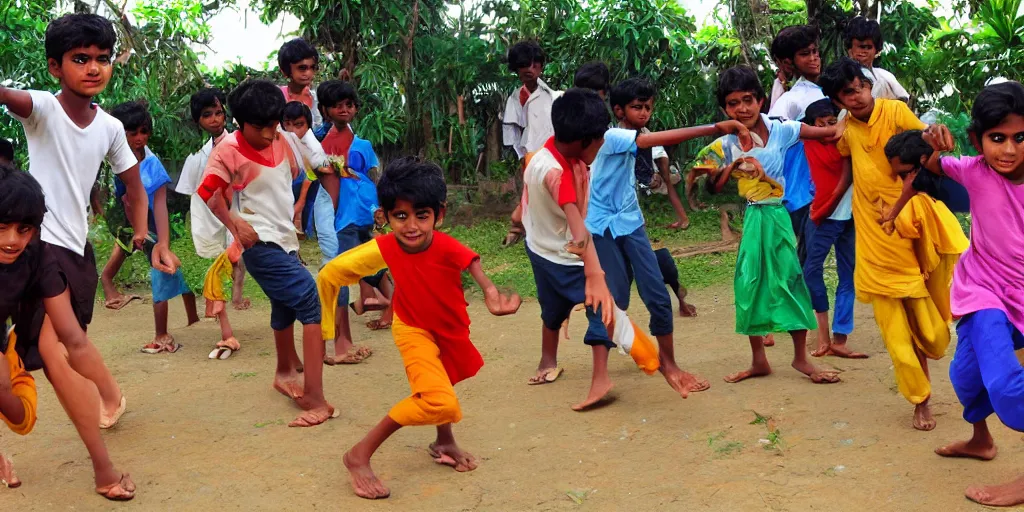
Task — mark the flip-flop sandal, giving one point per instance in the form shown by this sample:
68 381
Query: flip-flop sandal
225 348
515 234
377 325
155 348
354 356
122 406
119 304
550 375
7 477
122 490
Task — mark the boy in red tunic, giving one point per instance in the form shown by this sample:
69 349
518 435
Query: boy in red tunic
430 326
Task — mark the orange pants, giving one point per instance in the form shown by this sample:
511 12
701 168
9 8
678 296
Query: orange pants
433 400
23 385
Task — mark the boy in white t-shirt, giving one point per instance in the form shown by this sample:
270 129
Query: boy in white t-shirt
68 138
863 44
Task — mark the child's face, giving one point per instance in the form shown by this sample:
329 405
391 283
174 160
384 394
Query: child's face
528 75
825 122
1003 147
637 113
302 72
84 71
902 169
298 126
14 237
863 51
343 112
413 227
212 119
807 62
260 137
856 98
137 139
745 107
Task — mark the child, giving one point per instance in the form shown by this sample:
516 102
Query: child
299 62
906 282
260 162
988 281
38 300
796 46
770 293
831 225
863 44
68 138
343 225
594 76
210 237
296 118
167 283
432 335
783 73
908 152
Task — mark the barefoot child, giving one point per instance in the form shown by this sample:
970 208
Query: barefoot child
210 237
168 281
770 292
905 280
260 162
988 282
432 335
831 225
36 298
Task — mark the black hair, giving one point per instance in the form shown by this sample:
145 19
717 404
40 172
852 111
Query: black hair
134 115
206 98
332 92
412 179
792 39
909 147
839 74
296 109
738 79
594 76
862 28
993 104
6 150
821 108
636 88
21 198
579 115
293 52
523 54
256 102
77 31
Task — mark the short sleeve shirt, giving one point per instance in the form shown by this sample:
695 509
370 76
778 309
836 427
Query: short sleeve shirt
65 159
550 184
794 102
359 191
33 277
613 203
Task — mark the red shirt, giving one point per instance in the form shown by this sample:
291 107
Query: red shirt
826 169
337 143
429 296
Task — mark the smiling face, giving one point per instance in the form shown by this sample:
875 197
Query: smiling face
856 98
83 71
636 114
413 226
260 137
1003 148
14 237
342 113
863 51
212 119
302 72
807 62
745 107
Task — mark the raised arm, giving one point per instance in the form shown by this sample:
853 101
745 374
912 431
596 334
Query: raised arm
497 304
940 139
18 102
678 135
829 133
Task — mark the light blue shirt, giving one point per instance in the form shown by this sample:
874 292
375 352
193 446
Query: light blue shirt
613 204
783 140
357 197
798 188
844 210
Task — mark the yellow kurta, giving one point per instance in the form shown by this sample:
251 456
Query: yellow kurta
23 386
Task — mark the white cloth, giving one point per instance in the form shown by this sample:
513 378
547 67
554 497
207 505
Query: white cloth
791 105
778 89
885 85
547 230
527 127
65 159
209 235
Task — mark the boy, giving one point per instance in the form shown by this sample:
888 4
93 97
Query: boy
594 76
831 225
260 162
432 335
68 138
39 302
343 225
908 153
770 293
909 291
299 62
863 44
297 118
167 283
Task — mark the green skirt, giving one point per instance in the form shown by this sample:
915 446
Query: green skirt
771 295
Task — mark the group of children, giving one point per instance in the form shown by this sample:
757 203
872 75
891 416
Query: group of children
855 184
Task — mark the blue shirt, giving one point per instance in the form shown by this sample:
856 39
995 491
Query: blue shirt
357 197
321 131
782 158
153 175
798 187
613 203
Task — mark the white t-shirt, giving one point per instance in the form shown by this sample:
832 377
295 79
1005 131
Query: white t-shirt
791 105
209 235
885 85
547 230
65 159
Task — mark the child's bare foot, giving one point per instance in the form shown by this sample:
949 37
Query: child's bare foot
823 349
364 482
923 419
453 456
7 477
108 421
753 371
817 376
598 391
162 343
1004 495
970 449
289 384
314 413
545 376
123 489
769 340
684 383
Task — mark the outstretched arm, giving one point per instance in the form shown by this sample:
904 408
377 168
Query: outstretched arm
829 133
678 135
497 304
18 102
940 139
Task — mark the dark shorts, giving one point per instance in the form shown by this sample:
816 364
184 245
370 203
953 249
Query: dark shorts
559 289
290 287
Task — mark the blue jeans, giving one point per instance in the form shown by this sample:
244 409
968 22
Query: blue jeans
289 286
630 257
559 289
821 239
323 218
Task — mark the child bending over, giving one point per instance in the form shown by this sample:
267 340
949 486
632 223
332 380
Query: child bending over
908 153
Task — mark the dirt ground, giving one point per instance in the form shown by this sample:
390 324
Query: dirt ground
203 435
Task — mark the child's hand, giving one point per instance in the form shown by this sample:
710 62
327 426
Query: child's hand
164 260
246 234
599 297
737 128
939 138
501 305
908 180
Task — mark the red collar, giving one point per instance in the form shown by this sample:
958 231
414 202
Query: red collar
249 152
562 161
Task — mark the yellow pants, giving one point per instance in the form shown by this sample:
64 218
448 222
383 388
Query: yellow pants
23 386
911 326
433 400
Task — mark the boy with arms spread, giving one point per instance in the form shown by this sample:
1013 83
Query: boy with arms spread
905 277
863 44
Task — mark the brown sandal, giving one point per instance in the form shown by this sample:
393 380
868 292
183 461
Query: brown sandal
122 490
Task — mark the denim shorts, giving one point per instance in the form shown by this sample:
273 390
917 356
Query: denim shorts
290 287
